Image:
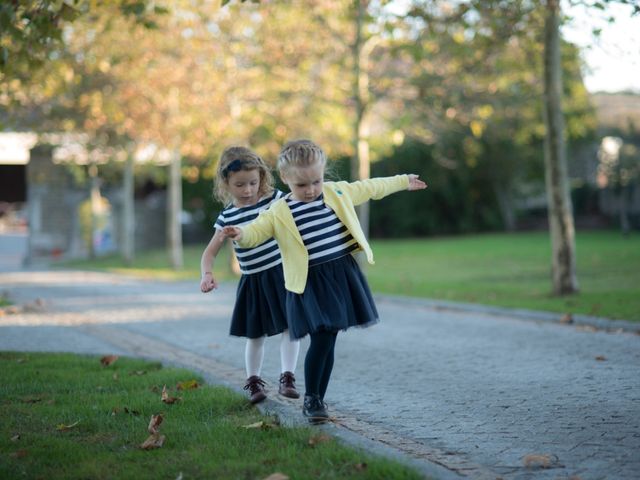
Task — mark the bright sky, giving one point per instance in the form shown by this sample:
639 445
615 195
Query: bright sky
613 60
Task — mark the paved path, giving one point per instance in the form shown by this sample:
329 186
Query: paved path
461 393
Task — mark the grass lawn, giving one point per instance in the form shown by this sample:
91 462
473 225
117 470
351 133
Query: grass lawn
68 417
510 270
513 271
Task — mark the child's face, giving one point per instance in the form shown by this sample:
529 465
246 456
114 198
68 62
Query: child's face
244 186
305 183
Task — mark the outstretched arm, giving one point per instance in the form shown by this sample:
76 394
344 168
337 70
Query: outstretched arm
207 281
415 183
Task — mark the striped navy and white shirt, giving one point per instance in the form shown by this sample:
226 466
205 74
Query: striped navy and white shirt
265 255
322 232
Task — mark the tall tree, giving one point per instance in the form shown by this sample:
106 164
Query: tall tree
560 211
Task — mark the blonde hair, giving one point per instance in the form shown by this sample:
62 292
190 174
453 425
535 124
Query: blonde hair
300 153
238 158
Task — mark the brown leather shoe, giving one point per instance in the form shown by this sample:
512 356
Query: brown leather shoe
288 385
255 387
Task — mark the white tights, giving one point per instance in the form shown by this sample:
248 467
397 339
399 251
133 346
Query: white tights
254 354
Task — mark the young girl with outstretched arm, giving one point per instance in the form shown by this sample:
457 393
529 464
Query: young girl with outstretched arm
317 229
244 182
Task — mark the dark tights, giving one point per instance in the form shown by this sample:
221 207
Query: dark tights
319 362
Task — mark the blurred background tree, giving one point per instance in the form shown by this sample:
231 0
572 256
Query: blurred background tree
450 90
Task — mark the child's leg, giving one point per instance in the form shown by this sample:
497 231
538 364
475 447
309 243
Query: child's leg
319 357
288 358
253 356
328 367
289 350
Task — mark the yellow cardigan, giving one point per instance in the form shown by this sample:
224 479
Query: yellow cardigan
341 197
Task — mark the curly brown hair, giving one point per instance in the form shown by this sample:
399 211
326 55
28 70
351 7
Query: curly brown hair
236 158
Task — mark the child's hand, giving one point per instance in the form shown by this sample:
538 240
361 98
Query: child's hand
234 233
415 183
208 283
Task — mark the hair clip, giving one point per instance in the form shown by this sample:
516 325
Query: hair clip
234 166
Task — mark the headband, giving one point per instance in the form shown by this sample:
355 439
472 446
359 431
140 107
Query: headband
234 166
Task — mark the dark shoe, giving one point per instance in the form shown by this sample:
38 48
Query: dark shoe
315 409
288 385
255 386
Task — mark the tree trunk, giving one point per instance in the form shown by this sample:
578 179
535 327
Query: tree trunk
128 212
560 209
94 199
505 205
174 227
360 168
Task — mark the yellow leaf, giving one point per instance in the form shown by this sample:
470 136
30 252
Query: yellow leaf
477 128
62 427
187 385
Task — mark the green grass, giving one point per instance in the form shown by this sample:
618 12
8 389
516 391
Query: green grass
513 271
509 270
205 434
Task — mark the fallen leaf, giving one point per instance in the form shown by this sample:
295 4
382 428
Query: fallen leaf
276 476
566 318
155 440
139 373
115 376
62 427
262 425
108 360
601 358
539 461
316 439
31 400
167 399
19 453
154 423
15 438
187 385
361 466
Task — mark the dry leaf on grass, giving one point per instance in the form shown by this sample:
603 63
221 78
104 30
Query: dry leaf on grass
154 441
566 318
154 423
15 438
19 453
62 427
276 476
167 399
138 373
535 460
108 360
316 439
187 385
262 425
361 466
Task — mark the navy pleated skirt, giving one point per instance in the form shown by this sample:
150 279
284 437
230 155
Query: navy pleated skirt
260 304
336 297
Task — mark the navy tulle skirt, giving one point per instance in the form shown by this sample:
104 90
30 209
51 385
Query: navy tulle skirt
260 304
336 297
